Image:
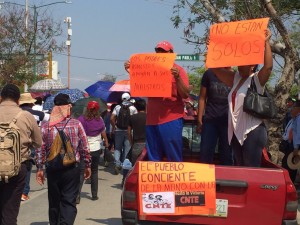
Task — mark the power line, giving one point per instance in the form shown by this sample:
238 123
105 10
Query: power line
90 58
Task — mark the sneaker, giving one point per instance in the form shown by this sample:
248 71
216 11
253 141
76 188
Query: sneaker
117 169
24 197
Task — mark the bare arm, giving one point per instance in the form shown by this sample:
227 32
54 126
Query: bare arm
103 134
113 119
182 89
265 71
201 107
129 131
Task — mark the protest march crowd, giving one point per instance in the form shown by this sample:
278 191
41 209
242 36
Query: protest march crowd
66 149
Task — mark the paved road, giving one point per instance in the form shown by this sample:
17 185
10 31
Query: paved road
106 210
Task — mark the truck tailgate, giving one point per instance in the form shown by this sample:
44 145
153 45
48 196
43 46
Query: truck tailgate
255 196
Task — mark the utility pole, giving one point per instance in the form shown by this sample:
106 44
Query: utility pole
50 64
68 43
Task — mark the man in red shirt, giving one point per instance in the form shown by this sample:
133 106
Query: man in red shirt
164 122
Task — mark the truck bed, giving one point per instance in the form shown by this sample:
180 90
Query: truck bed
260 196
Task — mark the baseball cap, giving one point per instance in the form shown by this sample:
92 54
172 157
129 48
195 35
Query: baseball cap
93 105
165 45
125 96
26 98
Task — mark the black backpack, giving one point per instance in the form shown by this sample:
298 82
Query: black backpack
123 117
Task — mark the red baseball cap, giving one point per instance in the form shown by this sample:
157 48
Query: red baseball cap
93 105
165 45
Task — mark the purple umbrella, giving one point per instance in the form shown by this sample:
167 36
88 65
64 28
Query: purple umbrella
100 89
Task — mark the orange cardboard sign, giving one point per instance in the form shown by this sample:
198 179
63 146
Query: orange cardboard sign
150 74
177 188
237 43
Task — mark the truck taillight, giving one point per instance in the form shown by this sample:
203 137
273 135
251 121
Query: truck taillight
130 191
291 203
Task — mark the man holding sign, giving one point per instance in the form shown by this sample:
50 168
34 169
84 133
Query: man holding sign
164 114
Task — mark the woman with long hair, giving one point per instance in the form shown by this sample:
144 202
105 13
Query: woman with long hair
95 130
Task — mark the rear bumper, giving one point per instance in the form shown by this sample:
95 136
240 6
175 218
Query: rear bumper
289 222
130 217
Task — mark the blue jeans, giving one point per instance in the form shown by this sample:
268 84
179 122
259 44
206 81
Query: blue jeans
165 140
213 132
122 146
249 154
29 168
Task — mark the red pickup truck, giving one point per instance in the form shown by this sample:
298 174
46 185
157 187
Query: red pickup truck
244 196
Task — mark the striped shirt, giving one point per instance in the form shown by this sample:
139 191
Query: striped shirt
77 136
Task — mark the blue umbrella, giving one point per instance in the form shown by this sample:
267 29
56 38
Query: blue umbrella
74 94
100 89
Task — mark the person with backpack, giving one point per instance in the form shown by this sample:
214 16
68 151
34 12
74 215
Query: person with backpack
120 121
95 130
19 132
64 144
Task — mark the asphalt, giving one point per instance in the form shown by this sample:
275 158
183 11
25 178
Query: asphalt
105 210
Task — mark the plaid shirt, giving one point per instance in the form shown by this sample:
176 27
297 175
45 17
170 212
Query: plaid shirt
77 136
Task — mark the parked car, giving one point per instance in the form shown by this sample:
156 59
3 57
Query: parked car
244 195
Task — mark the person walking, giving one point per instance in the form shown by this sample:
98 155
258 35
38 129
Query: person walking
30 137
164 120
95 130
247 134
63 183
26 103
137 130
213 119
119 122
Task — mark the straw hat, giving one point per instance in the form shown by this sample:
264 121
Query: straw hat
26 98
292 162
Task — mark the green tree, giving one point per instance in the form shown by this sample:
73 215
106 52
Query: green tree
19 45
283 15
195 80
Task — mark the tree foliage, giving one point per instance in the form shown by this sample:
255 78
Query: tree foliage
195 80
198 15
22 48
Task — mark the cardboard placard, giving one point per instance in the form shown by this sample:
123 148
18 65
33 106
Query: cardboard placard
150 74
237 43
177 188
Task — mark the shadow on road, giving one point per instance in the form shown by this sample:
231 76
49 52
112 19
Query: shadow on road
110 221
39 223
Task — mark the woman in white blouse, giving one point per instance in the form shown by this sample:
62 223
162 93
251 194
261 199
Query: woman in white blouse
246 134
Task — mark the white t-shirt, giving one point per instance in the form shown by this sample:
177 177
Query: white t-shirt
239 122
95 142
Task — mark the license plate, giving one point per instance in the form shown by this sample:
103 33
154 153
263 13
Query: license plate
221 207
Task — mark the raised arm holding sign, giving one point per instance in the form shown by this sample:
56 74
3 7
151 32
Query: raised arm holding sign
247 134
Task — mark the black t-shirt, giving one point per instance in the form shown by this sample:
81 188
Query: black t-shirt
217 93
137 122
